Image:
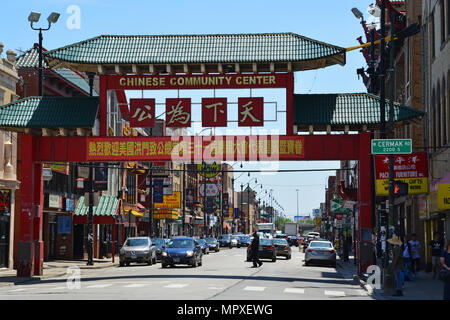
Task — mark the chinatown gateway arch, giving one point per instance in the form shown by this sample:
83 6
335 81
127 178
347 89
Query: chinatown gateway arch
185 62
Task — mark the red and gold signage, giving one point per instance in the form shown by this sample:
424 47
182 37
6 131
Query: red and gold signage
142 113
411 168
214 112
178 112
218 148
251 112
160 82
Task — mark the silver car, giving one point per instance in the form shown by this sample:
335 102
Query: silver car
320 251
137 249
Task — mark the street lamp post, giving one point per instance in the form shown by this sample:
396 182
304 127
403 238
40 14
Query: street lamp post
32 18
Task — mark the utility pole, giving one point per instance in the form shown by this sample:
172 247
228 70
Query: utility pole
184 199
90 217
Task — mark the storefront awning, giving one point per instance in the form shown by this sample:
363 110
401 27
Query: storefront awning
104 213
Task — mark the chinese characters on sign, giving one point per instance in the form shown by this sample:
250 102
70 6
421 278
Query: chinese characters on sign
142 113
412 169
214 112
251 112
264 148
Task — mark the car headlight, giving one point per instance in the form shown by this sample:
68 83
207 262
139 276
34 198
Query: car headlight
164 254
189 253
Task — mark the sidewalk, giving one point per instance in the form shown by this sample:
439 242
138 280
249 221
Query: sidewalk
424 287
53 269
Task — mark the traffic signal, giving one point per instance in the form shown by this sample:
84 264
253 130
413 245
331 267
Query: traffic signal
400 188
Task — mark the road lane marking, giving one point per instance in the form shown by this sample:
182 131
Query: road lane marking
99 286
136 285
254 288
294 290
335 293
176 285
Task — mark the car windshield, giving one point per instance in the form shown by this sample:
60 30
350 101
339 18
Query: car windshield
280 241
181 243
159 242
136 243
245 238
318 244
210 240
201 241
225 237
265 242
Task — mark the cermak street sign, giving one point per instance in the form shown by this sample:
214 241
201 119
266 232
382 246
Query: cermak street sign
391 146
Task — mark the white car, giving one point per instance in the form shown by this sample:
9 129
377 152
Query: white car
234 241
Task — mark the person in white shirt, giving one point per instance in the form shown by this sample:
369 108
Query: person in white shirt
415 247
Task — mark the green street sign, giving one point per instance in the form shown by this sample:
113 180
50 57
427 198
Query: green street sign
391 146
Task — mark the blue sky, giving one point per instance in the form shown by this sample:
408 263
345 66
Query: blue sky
328 21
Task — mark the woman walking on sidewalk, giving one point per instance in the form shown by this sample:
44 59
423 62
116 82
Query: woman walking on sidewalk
397 264
445 261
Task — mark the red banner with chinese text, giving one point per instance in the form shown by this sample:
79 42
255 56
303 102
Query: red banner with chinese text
196 149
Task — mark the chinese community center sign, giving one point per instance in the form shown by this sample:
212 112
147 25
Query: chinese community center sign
412 169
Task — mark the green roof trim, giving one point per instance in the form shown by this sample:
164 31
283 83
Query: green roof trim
185 49
107 207
50 112
353 109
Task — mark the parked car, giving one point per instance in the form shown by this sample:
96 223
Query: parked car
213 244
243 241
320 252
204 245
266 250
160 244
137 249
182 250
225 240
282 248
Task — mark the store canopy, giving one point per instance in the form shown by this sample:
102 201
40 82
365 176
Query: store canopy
104 213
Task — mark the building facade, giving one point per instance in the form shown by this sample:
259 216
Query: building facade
8 161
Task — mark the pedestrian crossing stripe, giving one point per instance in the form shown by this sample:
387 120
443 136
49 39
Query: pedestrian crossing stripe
334 293
294 290
255 288
176 285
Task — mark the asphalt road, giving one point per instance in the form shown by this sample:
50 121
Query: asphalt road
224 276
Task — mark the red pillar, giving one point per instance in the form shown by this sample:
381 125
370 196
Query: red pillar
30 247
364 243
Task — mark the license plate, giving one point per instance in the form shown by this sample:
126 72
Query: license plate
176 259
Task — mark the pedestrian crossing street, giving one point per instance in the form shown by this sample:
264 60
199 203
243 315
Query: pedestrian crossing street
167 285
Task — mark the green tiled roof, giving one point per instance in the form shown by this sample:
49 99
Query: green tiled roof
353 109
185 49
30 59
50 112
107 206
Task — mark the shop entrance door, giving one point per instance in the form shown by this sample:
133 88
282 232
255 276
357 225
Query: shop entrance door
52 241
4 240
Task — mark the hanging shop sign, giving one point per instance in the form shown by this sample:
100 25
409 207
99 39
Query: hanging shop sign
161 168
158 190
212 189
170 201
412 169
70 204
337 206
444 196
208 170
54 201
57 167
219 148
165 214
64 224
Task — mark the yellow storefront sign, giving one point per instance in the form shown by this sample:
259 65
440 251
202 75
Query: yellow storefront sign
415 186
444 196
165 214
172 201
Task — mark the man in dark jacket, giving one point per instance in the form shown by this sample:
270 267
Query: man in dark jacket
255 248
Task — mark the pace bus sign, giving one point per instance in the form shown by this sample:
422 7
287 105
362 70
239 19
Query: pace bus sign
411 168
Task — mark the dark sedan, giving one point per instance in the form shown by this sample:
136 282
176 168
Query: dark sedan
160 244
266 250
182 250
282 248
292 240
225 240
243 241
204 246
213 244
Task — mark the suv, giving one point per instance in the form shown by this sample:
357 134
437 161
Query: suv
137 249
